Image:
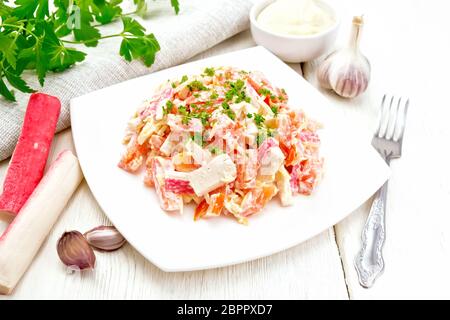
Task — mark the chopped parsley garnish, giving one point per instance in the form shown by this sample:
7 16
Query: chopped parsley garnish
242 97
229 95
259 119
238 85
264 92
249 115
274 109
215 150
185 120
196 95
182 110
228 111
196 85
271 132
203 116
236 90
267 92
184 78
173 85
214 96
281 98
186 116
168 108
209 71
260 138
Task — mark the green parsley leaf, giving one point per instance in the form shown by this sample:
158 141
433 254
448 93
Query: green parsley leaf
215 150
87 34
17 82
236 90
274 109
184 78
264 92
4 91
203 116
141 47
8 48
249 115
176 6
228 111
107 10
186 119
130 25
209 72
25 9
259 119
141 7
182 110
168 107
214 96
196 85
33 36
4 9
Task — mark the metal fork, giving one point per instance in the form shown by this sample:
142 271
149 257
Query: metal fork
387 140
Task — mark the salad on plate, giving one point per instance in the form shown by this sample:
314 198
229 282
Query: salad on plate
225 139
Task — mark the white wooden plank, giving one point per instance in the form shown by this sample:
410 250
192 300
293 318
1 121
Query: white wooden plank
407 44
310 270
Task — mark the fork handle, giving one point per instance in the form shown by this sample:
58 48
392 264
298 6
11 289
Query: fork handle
369 262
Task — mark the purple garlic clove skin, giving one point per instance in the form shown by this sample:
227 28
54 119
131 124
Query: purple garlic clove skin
323 73
75 252
352 78
105 238
346 71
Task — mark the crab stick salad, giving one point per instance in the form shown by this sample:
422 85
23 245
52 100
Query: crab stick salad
225 139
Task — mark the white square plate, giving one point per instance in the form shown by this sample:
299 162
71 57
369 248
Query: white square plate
353 172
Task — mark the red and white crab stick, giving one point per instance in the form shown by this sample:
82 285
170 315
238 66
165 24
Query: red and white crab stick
25 235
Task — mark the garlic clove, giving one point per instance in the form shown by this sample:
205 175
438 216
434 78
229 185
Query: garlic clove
323 73
75 252
105 238
346 71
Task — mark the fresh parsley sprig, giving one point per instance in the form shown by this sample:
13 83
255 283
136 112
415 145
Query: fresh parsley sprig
34 38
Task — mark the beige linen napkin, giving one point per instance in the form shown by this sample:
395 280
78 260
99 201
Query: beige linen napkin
200 25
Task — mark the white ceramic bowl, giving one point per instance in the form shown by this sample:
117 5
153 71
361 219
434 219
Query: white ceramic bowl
293 48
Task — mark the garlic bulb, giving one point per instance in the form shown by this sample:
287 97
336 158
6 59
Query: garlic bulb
105 238
346 71
75 252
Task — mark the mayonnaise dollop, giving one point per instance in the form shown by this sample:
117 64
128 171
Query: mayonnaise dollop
295 17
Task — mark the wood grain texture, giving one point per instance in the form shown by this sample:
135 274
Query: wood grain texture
307 271
407 44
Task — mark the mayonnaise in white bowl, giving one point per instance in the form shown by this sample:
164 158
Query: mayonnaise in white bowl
296 17
294 30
